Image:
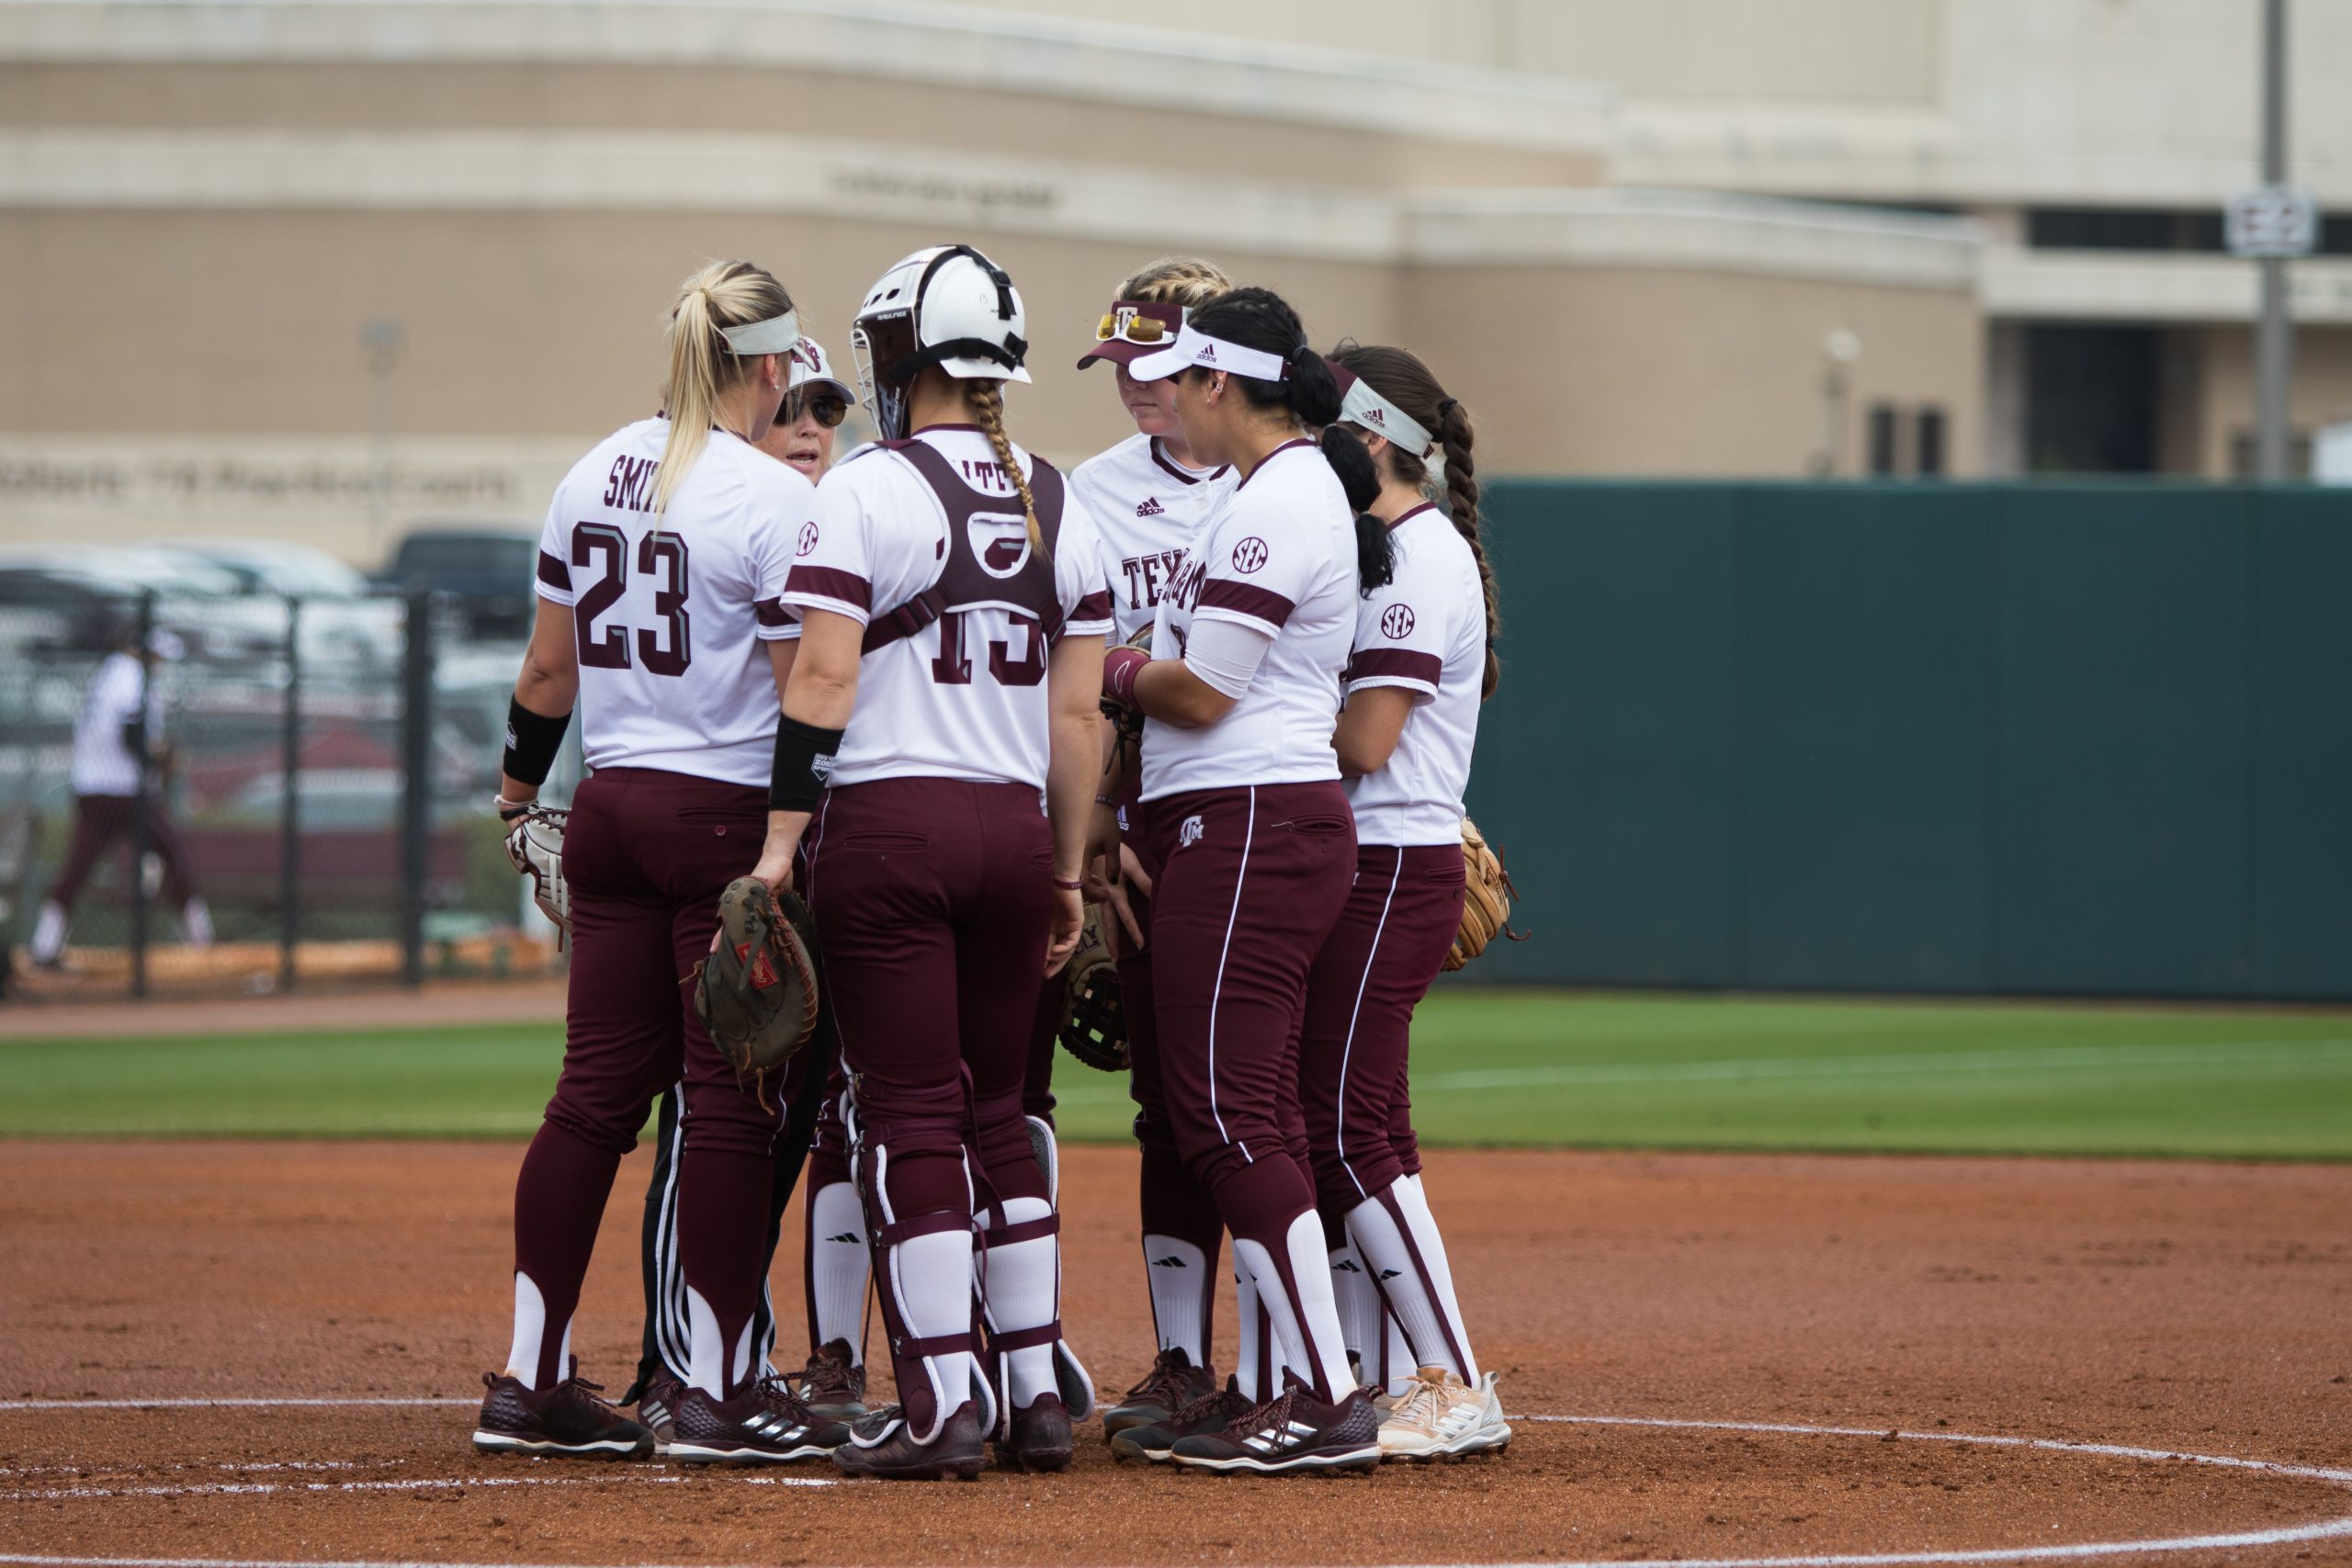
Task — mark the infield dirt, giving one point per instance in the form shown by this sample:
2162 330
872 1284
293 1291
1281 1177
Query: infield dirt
2204 1308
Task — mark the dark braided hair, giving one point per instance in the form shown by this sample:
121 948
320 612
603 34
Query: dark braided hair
1259 319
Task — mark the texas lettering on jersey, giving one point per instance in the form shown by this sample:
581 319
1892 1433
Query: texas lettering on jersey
1149 574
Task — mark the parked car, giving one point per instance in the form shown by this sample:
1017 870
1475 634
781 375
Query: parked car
487 571
344 620
81 598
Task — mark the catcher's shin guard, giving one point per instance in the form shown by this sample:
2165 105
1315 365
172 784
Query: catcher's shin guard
1019 1277
922 1270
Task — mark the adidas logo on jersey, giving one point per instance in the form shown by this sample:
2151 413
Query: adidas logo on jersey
846 1237
1171 1262
1151 508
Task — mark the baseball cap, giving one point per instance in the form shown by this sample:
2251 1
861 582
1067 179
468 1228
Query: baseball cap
810 366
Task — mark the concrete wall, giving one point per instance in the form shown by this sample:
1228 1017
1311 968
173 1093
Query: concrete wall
1660 371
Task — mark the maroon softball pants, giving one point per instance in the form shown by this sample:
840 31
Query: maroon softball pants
646 854
1392 937
1251 881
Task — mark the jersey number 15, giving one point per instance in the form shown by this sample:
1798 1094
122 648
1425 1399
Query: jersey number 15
659 552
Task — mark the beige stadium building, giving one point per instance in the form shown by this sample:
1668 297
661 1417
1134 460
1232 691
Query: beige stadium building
328 269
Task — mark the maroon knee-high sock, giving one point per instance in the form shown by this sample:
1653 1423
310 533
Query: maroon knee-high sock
558 1203
723 1199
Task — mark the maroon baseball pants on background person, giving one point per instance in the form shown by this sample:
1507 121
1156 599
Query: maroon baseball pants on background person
1252 880
933 900
646 854
101 821
1389 944
1392 937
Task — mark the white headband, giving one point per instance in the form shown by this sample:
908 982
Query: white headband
1194 346
1365 407
777 335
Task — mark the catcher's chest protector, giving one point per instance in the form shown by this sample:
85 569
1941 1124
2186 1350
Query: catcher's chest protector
986 538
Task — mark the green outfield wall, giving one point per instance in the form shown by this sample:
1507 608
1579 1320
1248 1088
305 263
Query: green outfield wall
2031 739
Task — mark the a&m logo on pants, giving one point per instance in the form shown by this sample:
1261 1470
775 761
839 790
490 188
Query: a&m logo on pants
1187 832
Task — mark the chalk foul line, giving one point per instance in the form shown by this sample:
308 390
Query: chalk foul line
2289 1535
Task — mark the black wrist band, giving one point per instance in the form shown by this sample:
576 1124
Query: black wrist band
532 741
804 761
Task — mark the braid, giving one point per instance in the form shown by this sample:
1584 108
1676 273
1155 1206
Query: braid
988 410
1462 506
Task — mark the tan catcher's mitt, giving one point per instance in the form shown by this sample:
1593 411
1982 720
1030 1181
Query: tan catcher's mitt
1094 1018
757 991
1486 904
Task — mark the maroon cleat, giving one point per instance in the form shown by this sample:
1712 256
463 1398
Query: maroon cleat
765 1424
1041 1438
881 1446
566 1419
1172 1384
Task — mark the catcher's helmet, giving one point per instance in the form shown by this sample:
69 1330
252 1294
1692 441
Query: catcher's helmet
949 305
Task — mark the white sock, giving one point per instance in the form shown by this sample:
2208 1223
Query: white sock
838 1268
196 920
1179 1303
709 1366
1418 1301
530 1332
1311 1338
1024 1291
1246 1331
48 933
1358 1302
1398 1365
1414 1198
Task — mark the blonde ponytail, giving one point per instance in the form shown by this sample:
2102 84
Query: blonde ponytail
723 294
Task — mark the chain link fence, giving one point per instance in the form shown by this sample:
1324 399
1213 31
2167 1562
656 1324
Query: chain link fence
209 795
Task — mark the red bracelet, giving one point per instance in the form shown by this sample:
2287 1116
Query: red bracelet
1069 887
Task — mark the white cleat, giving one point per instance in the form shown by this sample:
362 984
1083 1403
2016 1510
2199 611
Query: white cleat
1442 1418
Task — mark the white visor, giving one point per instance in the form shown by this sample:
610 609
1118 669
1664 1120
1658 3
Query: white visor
777 335
1368 410
1194 346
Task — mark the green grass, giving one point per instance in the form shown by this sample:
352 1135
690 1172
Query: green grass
1498 1067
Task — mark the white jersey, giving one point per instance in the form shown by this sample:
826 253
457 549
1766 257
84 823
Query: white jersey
1425 632
904 535
670 613
1148 507
103 764
1280 556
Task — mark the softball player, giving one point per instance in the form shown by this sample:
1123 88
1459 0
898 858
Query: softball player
1245 811
659 570
1423 661
952 607
814 402
1148 496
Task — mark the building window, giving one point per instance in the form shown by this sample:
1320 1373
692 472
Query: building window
1884 424
1932 442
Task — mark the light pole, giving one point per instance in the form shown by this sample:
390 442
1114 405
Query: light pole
2274 339
1841 352
380 343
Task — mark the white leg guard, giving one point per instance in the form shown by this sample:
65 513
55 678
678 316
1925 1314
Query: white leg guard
926 1274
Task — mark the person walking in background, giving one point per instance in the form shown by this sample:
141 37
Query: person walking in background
118 753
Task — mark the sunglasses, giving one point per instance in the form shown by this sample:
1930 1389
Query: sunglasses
826 407
1128 324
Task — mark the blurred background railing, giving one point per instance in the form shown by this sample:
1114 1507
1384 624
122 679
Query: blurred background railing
318 780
